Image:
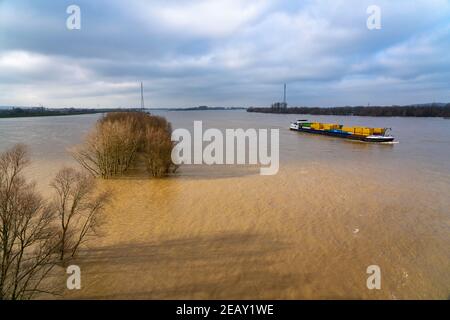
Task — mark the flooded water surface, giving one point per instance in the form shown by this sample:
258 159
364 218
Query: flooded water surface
309 232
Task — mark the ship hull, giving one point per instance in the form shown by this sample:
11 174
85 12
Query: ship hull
345 135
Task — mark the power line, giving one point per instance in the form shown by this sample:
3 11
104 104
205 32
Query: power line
142 96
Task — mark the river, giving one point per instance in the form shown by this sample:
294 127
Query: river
309 232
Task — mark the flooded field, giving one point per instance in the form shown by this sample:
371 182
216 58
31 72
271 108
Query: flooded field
225 232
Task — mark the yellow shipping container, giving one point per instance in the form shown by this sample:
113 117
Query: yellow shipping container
367 131
348 129
330 126
359 130
378 130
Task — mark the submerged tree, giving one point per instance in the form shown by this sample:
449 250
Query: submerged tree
109 150
77 206
119 139
157 151
27 237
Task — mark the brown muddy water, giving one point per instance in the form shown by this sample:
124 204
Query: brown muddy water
310 232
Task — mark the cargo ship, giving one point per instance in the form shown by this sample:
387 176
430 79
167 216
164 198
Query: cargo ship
375 135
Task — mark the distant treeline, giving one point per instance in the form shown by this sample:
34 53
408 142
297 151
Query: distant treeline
44 112
431 110
204 108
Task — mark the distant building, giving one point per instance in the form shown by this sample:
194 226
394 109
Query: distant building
280 106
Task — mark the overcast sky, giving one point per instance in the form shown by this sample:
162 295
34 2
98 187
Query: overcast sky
223 53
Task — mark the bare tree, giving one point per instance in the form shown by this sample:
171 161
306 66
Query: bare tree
77 206
27 240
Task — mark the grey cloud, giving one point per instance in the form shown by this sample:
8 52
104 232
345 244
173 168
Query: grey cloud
321 48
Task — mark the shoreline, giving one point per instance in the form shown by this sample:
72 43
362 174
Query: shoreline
408 111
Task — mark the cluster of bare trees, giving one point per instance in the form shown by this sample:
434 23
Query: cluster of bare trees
120 138
108 150
157 150
38 235
27 237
